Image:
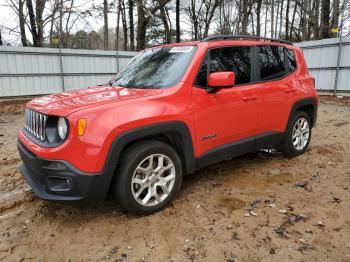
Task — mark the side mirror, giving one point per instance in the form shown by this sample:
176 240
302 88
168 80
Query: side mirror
220 80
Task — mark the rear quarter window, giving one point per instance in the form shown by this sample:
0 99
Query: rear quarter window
271 62
290 60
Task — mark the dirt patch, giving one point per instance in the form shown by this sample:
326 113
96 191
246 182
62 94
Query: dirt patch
14 106
258 207
231 203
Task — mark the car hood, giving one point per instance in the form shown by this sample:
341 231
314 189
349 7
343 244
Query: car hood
63 104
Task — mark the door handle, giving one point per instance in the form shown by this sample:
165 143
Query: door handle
249 98
291 90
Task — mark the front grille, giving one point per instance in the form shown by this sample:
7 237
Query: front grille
34 123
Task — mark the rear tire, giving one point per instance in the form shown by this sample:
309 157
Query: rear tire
298 135
148 176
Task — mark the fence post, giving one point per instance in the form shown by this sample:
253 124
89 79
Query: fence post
60 49
117 60
336 79
61 67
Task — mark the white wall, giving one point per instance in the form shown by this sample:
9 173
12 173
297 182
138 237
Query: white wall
35 71
321 57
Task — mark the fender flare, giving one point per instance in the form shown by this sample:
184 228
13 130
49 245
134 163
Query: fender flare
125 138
300 103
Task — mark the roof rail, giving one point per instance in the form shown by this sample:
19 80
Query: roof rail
243 37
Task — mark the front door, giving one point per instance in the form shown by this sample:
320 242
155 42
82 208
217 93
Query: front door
229 115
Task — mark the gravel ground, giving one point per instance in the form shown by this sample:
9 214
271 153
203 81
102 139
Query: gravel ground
258 207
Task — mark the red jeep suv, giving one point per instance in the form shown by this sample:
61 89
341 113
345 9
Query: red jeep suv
172 110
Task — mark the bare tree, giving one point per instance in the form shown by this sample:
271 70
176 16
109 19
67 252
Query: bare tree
303 20
272 16
131 25
166 25
125 27
105 24
32 19
177 18
201 14
245 10
287 19
335 15
317 19
325 25
144 15
22 20
258 17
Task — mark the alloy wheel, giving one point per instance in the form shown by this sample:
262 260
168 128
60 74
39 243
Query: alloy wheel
153 180
301 134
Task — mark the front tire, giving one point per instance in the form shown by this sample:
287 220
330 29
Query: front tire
298 135
149 175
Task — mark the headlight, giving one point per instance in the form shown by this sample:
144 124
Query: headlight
62 127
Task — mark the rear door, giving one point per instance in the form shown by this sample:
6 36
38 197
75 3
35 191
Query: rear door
274 86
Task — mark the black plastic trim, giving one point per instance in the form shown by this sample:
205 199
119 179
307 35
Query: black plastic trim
226 151
177 127
239 147
243 37
87 188
304 102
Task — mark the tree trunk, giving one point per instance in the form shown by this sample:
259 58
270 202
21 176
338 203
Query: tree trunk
272 16
105 25
304 20
0 38
32 22
293 20
281 19
194 19
141 26
143 20
117 29
22 22
265 27
325 10
131 21
245 17
125 27
253 23
166 25
276 21
40 6
287 19
258 13
177 15
335 16
317 19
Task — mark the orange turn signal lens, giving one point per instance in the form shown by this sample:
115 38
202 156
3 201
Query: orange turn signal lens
81 126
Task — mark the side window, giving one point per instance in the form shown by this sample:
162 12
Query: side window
235 58
291 62
271 62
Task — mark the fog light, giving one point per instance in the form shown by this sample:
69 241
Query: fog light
59 184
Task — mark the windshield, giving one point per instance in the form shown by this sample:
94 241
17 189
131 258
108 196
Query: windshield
158 67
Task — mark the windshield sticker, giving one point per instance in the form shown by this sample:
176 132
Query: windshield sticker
181 49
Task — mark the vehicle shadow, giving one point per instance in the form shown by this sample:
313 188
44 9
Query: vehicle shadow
224 169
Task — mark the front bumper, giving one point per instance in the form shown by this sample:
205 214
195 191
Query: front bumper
58 180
